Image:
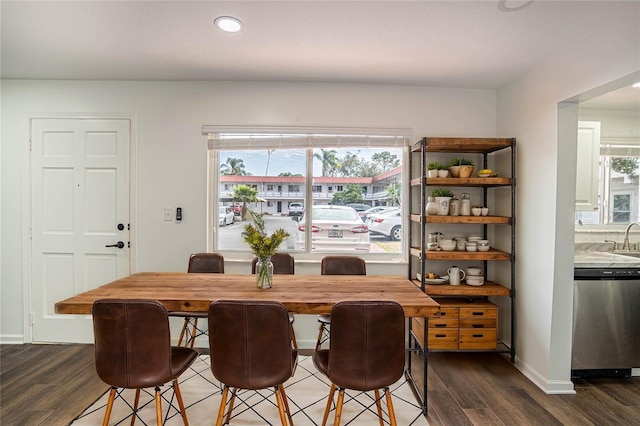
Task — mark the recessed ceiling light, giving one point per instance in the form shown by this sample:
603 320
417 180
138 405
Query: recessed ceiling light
228 24
637 85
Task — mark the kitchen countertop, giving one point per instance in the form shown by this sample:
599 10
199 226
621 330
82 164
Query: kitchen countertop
603 259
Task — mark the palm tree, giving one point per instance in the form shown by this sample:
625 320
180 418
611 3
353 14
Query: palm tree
233 166
245 194
329 160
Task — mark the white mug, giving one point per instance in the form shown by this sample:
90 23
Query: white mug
455 275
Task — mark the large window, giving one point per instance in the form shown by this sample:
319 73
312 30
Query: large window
316 187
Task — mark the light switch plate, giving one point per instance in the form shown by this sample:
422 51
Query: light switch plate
168 213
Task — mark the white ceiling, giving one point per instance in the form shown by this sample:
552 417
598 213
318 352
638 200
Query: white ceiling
465 44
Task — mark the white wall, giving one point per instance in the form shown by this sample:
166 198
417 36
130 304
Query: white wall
528 109
170 170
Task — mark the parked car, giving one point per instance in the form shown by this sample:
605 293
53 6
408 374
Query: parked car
236 209
225 216
296 209
387 223
359 207
378 209
334 229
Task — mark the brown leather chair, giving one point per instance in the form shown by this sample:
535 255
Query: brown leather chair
337 265
251 349
133 351
367 352
283 263
201 263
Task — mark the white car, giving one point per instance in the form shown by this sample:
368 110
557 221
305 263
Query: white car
334 229
225 216
387 223
373 210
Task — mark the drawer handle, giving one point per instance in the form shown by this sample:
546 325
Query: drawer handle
478 325
478 335
440 325
477 313
443 314
441 335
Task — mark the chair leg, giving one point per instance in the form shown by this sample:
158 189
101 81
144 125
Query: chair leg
223 403
379 407
231 404
185 326
183 412
294 342
392 413
107 414
280 402
321 334
286 404
328 407
336 421
158 407
135 408
194 334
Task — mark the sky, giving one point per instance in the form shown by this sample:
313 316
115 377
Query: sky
287 160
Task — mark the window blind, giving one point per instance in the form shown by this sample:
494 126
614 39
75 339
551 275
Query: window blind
241 137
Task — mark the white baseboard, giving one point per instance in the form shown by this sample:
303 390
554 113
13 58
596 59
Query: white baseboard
11 339
550 387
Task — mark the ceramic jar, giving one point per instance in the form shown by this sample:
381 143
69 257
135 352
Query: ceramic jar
432 206
465 205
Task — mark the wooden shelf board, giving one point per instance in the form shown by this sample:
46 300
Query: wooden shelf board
482 220
481 145
492 254
469 219
488 289
470 181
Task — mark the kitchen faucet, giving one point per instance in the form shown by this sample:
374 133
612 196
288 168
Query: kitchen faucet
625 243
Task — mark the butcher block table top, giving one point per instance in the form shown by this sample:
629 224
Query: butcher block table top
301 294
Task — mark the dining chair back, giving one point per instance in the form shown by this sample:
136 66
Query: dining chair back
337 265
251 349
283 263
206 263
201 263
343 265
133 351
367 352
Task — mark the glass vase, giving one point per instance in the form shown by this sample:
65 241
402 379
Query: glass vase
264 273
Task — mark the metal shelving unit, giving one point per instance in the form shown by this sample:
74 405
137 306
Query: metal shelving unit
421 224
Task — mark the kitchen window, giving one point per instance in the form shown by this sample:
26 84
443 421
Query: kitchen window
618 189
302 164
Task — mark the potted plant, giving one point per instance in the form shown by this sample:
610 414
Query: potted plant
466 168
443 171
461 167
432 169
454 167
443 197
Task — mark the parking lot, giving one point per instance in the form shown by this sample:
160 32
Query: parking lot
230 237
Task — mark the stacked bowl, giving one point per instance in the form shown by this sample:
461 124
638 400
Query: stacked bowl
475 276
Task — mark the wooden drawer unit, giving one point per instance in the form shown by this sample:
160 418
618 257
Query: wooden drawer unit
463 325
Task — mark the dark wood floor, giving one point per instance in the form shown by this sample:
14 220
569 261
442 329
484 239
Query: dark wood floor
51 384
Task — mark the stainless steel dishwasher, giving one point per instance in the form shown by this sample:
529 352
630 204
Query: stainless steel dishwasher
606 321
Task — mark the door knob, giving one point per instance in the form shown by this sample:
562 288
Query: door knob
119 244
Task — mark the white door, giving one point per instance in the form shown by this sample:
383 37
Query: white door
79 207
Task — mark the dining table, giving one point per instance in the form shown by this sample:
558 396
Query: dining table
300 294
